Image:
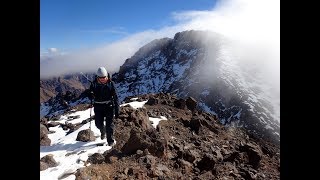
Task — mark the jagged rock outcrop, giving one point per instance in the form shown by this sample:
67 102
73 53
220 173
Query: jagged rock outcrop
64 102
190 144
51 87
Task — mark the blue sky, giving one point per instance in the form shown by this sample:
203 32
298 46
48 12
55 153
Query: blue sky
76 36
73 24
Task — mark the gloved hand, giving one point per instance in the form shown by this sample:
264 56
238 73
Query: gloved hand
91 95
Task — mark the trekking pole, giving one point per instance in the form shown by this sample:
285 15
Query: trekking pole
86 77
90 114
90 119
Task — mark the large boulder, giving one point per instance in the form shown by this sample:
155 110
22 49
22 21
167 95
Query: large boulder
180 103
96 158
43 131
47 161
207 162
152 101
151 140
86 136
43 166
254 154
44 140
140 119
191 103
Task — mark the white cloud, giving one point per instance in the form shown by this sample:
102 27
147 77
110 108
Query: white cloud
113 30
52 50
252 23
253 26
111 56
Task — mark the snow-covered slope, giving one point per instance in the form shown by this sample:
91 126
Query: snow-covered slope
202 65
199 64
154 141
71 154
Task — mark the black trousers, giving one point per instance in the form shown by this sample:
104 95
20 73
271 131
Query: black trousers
104 113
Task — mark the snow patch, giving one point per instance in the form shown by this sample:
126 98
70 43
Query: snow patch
135 104
155 121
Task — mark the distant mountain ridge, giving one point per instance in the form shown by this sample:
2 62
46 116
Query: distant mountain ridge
52 87
196 63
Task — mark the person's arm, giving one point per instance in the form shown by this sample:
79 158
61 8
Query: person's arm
115 100
90 92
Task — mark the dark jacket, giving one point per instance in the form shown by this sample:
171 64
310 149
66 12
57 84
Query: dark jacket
104 92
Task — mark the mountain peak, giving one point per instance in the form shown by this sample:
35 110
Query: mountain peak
198 64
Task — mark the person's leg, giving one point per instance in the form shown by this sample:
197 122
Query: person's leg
99 119
109 127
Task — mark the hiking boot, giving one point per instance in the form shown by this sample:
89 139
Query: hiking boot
103 136
103 133
111 143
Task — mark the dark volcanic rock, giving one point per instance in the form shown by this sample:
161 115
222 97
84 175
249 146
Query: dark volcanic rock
86 136
190 144
47 161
